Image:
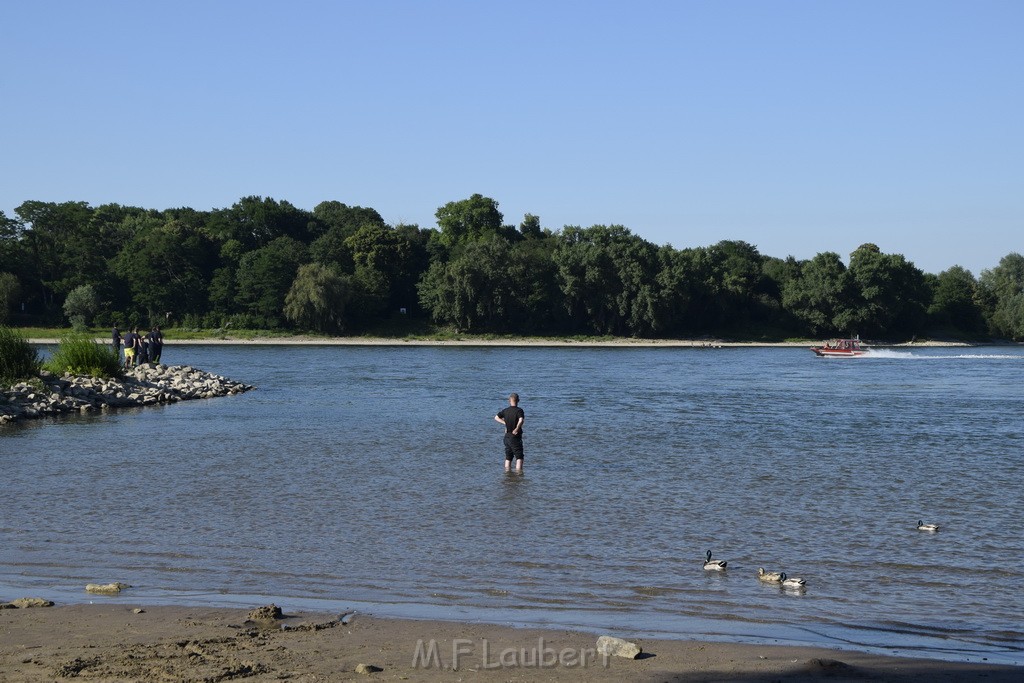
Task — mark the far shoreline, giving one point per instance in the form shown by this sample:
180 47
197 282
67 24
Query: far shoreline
620 342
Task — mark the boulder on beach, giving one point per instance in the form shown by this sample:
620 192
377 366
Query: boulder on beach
266 613
25 603
617 647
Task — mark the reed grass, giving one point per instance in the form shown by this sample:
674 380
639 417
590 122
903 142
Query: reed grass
18 359
79 354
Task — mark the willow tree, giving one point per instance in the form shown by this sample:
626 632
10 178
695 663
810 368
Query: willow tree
317 298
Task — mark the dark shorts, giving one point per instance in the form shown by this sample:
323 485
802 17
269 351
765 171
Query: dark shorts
513 447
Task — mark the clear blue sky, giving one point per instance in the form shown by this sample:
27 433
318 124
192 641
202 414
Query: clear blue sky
798 126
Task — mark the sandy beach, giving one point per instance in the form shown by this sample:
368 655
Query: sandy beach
97 642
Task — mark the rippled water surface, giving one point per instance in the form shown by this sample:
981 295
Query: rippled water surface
372 476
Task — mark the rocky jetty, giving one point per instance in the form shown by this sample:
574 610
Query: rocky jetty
146 385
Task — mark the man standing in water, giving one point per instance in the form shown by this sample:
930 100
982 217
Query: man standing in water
513 417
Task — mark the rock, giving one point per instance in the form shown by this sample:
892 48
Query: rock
367 669
138 610
141 386
266 613
617 647
106 588
25 603
830 668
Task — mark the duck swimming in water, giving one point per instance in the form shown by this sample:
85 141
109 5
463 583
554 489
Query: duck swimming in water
792 582
770 577
921 526
714 565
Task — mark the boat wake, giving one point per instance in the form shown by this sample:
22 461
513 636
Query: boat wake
914 355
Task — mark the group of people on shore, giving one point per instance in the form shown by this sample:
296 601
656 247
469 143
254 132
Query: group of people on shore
138 348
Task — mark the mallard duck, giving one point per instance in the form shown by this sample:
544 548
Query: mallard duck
771 577
794 582
921 526
714 565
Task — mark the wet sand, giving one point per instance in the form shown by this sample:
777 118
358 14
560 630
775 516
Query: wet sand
114 643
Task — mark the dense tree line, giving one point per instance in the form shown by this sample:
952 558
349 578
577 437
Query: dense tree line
267 264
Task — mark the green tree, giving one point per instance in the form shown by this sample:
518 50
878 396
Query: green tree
11 252
332 248
343 219
257 221
530 227
955 301
608 277
316 299
821 296
387 263
1003 289
10 294
737 285
469 220
265 275
537 302
165 265
471 291
892 294
81 305
49 230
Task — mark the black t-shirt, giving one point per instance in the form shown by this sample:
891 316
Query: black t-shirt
511 417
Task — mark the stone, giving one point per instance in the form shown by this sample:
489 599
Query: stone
617 647
367 669
106 588
266 613
141 386
25 603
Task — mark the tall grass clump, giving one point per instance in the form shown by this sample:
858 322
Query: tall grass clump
18 359
79 354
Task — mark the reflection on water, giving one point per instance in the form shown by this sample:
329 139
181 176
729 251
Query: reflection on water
375 476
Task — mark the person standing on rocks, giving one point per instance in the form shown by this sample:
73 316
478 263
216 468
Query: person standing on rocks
129 349
115 341
513 417
156 344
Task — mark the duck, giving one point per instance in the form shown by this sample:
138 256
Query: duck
921 526
714 565
770 577
792 582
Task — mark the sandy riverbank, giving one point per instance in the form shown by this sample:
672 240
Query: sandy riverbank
621 342
114 643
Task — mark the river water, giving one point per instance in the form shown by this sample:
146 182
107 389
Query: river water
371 478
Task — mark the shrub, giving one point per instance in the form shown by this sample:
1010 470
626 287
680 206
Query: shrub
79 354
81 305
18 359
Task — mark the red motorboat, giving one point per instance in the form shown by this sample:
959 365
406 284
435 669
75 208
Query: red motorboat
841 348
